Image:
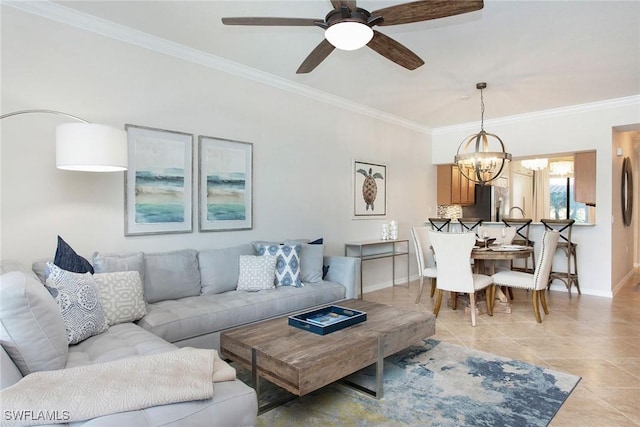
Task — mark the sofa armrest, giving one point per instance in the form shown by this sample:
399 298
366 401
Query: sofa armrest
344 270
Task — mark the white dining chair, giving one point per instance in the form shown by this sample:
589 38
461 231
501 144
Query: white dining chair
536 282
454 274
426 262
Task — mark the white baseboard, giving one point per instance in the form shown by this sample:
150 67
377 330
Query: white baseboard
554 287
622 282
400 281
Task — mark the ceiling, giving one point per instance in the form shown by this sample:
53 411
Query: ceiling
534 55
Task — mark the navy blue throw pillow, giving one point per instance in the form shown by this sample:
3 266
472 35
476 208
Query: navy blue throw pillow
67 259
325 270
319 241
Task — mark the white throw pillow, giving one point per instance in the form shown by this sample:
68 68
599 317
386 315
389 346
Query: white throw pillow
256 272
78 302
121 296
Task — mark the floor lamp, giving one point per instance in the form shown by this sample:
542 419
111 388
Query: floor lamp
86 146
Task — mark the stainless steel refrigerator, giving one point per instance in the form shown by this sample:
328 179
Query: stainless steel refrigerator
492 203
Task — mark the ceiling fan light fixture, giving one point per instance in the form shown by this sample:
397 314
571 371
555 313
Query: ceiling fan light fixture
349 35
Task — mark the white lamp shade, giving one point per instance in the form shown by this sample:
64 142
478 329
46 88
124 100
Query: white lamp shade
90 147
348 35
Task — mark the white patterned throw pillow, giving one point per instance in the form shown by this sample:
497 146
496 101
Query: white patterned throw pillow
256 272
121 296
287 265
78 302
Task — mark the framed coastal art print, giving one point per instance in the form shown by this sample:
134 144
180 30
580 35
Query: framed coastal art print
158 181
369 189
225 184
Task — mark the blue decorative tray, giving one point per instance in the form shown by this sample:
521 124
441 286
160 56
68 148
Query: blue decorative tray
329 319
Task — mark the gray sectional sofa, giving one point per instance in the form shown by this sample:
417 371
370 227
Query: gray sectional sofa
190 299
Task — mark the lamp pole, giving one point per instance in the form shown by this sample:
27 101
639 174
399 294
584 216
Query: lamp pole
59 113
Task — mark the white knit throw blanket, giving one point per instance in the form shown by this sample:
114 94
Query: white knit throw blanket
90 391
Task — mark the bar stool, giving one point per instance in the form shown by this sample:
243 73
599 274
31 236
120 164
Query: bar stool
440 224
569 277
522 226
470 224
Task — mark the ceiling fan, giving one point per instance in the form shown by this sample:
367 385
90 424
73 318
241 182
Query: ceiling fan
349 27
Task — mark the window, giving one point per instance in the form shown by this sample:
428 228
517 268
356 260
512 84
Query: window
562 204
559 188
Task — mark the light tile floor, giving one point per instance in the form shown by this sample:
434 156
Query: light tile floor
594 337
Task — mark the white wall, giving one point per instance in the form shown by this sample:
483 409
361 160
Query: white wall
576 129
303 149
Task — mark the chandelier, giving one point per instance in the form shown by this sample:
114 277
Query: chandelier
535 164
486 162
562 169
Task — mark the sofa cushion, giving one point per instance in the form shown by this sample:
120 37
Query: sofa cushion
32 330
118 342
288 263
219 268
186 318
311 258
121 296
67 259
233 402
110 263
171 275
78 301
256 272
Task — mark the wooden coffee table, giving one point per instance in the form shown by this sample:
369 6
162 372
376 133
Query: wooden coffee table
301 362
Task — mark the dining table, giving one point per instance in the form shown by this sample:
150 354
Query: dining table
484 263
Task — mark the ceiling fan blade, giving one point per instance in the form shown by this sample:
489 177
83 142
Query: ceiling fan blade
316 57
290 22
425 10
396 52
350 4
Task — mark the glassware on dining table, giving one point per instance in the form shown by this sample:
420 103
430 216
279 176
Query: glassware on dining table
485 237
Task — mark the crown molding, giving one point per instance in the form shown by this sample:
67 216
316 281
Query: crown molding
555 112
84 21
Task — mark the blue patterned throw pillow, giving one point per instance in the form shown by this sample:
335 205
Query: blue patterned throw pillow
287 264
78 302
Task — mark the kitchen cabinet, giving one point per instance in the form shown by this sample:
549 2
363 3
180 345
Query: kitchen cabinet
453 187
584 175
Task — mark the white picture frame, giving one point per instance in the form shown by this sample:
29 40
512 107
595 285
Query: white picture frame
158 181
225 184
369 189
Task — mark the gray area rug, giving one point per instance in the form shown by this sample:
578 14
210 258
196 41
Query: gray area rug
437 384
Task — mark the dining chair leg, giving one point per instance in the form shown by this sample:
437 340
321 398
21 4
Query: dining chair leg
436 307
454 300
472 302
536 308
433 286
490 300
420 291
543 301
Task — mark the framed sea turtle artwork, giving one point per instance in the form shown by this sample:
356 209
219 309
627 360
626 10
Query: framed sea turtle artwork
369 189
